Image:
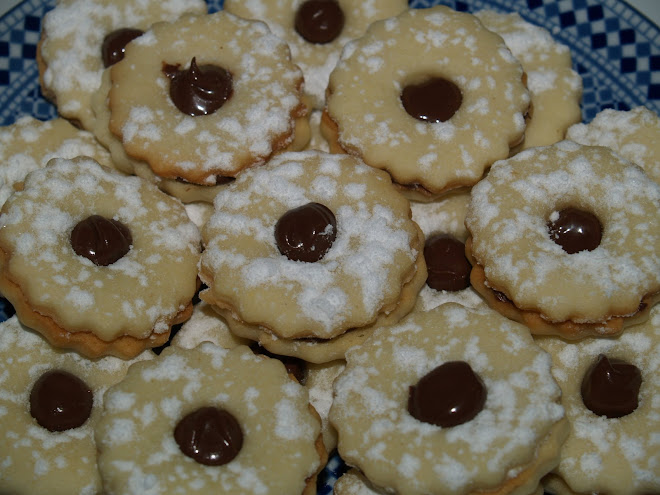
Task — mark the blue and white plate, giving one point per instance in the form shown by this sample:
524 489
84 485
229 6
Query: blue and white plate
615 50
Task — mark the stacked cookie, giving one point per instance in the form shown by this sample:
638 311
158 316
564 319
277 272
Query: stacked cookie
292 228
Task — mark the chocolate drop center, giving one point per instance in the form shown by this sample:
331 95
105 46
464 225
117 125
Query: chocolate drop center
576 230
306 233
209 435
434 100
199 89
60 401
449 395
610 387
101 240
448 267
114 44
319 21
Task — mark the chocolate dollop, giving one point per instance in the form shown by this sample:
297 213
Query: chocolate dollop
209 435
60 401
199 90
114 44
306 233
319 21
576 230
449 395
101 240
610 387
434 100
448 267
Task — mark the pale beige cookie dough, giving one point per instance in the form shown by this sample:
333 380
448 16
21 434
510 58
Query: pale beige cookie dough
618 456
316 60
634 134
555 88
505 448
320 378
206 325
525 274
34 460
281 451
365 115
122 307
69 52
353 482
316 141
371 270
28 144
258 119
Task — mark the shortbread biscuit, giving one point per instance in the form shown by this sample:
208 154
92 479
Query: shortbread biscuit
97 261
566 238
260 434
311 245
316 30
634 134
215 94
496 426
436 109
610 390
555 88
28 144
70 52
49 404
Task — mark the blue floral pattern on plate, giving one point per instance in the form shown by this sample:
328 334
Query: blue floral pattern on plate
615 50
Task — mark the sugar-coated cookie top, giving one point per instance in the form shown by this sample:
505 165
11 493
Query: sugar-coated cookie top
634 134
373 254
138 451
73 36
29 144
378 434
611 455
257 119
508 219
33 459
135 295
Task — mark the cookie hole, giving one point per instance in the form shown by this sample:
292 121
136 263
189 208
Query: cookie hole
433 100
448 267
199 89
114 44
610 387
449 395
101 240
575 230
60 401
319 21
306 233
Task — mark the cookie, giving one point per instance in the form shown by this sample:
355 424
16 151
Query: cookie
215 94
316 30
311 245
320 378
610 390
28 144
453 400
49 404
566 239
97 261
555 88
435 110
261 436
634 134
81 37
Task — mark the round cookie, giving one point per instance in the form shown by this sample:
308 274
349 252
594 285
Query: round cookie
566 239
634 134
555 88
37 457
605 453
28 144
278 449
70 52
108 263
496 427
215 94
310 246
316 30
435 109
